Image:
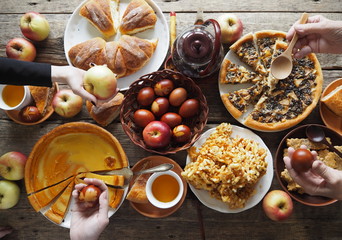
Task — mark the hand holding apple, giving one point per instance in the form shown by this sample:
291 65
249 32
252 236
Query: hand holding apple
66 103
277 205
9 194
21 49
12 165
231 27
34 26
100 81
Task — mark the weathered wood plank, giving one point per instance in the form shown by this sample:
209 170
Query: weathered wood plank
52 49
56 6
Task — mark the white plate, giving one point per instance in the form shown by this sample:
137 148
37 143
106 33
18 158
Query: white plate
79 29
67 220
262 186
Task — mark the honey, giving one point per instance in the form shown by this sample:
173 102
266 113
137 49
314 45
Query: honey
13 95
165 188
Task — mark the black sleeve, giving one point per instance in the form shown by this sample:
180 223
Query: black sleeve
17 72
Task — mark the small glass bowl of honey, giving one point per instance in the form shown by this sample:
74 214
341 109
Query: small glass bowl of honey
164 189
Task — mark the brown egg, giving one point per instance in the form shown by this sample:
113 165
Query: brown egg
145 96
181 133
142 117
163 87
160 106
178 96
171 119
189 108
30 114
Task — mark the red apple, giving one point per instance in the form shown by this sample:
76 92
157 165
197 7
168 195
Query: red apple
277 205
21 49
157 134
90 193
9 194
34 26
66 103
12 165
100 81
231 27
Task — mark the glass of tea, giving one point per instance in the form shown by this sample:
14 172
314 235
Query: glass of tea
14 97
164 189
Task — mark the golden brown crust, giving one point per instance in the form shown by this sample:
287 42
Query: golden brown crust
34 167
232 110
98 13
42 97
124 57
316 88
137 193
105 113
333 100
270 33
42 198
58 209
242 40
137 17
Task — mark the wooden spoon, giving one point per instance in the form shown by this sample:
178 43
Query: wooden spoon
281 66
317 135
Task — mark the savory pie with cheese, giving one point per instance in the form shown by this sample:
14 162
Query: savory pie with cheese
61 155
275 104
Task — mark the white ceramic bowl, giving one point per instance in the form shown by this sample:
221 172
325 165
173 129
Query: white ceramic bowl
155 201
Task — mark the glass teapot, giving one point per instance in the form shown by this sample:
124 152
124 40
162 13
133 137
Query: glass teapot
197 51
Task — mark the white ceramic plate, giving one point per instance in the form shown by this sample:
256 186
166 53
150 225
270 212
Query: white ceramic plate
67 220
79 29
262 186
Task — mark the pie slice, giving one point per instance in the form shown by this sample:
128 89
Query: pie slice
114 180
246 49
138 16
102 14
58 209
265 41
42 97
115 195
233 73
238 101
44 197
137 193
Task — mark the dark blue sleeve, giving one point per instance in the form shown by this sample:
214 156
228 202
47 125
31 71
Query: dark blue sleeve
15 72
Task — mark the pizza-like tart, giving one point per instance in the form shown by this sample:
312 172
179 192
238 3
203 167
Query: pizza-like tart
277 104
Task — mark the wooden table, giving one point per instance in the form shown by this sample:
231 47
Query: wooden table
193 220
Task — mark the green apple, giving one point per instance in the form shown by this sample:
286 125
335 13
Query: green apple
9 194
34 26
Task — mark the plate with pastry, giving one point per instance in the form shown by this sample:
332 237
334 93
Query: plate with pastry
130 36
217 166
137 193
256 99
41 108
331 105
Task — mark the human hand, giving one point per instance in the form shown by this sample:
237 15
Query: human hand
318 35
5 230
87 223
74 78
319 180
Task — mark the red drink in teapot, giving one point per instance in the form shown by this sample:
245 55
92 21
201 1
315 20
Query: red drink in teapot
197 52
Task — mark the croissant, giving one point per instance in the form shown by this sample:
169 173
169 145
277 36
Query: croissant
101 14
137 17
123 57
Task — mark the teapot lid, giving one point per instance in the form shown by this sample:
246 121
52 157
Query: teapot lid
196 45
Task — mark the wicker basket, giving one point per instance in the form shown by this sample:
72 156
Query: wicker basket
130 105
